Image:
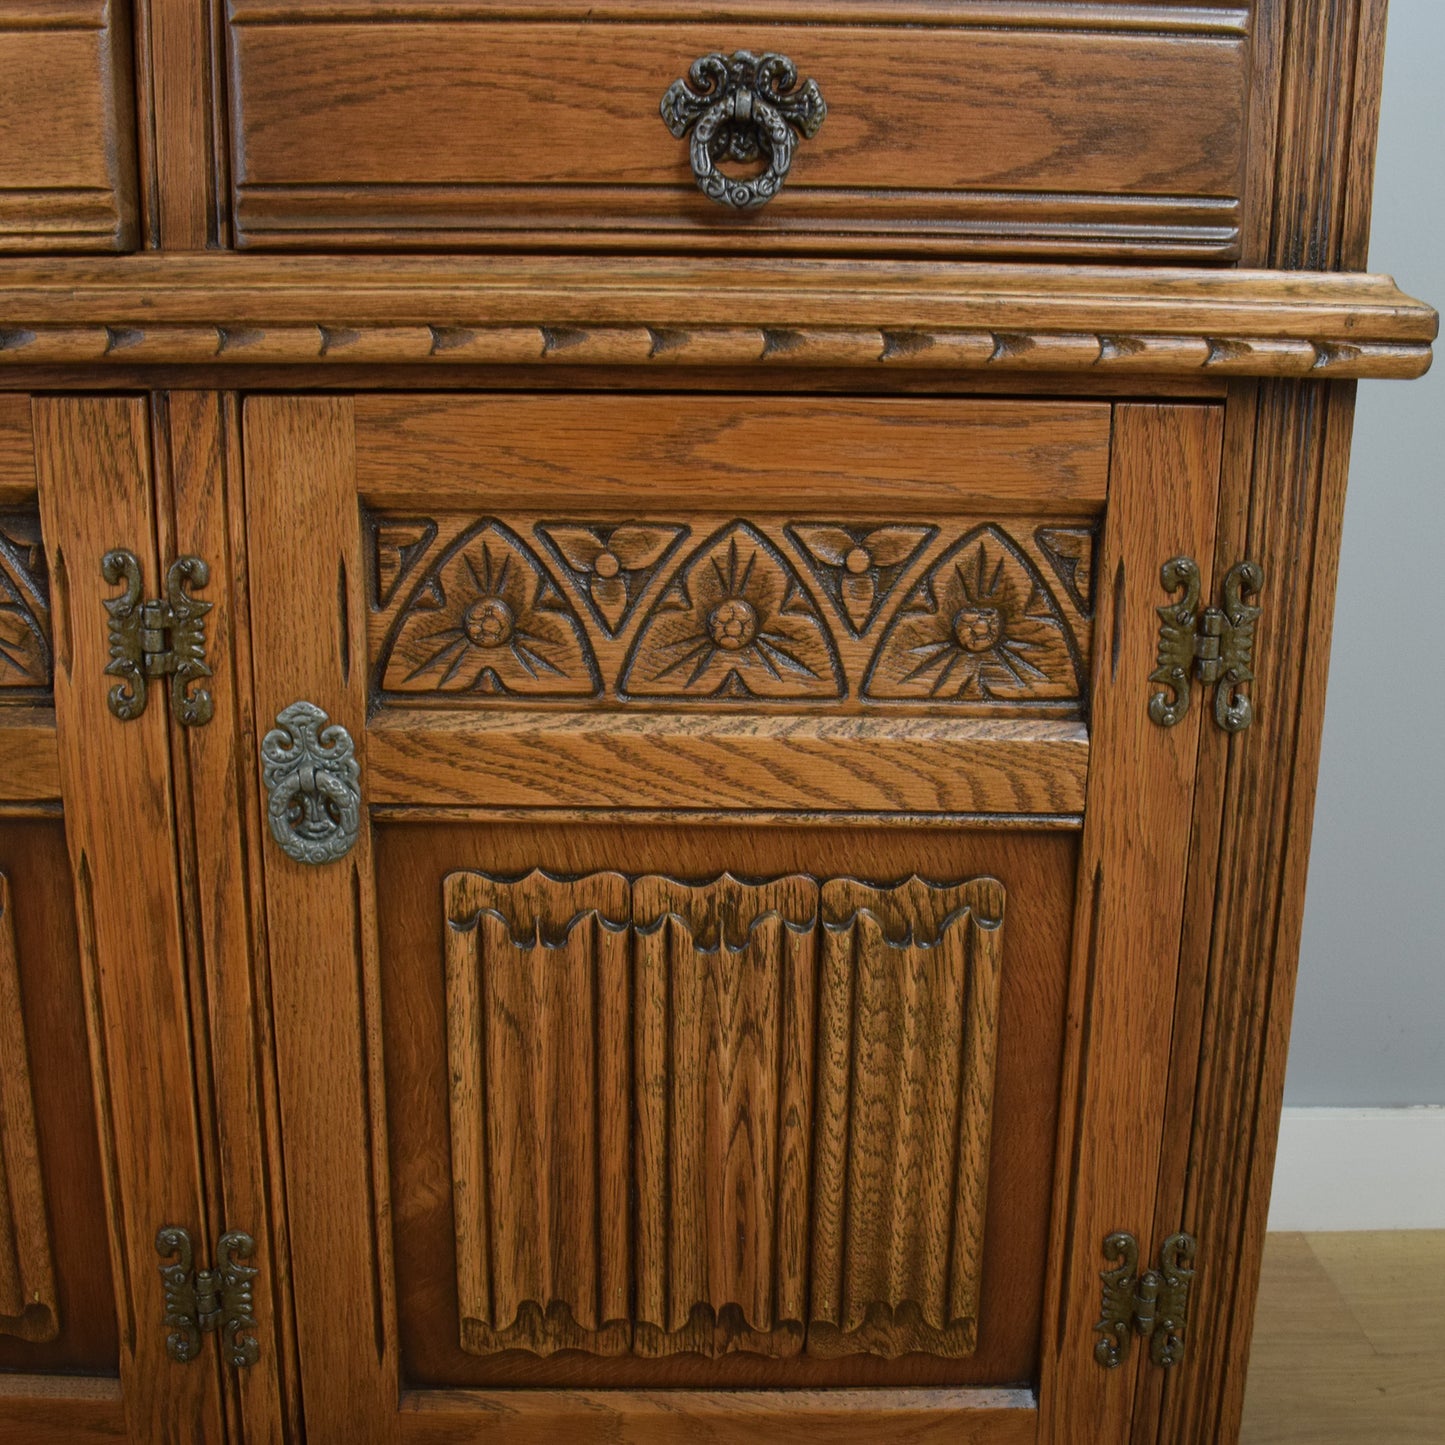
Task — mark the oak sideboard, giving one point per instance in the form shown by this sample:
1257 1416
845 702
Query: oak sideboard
660 685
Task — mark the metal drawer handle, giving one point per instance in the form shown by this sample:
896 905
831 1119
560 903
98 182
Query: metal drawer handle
313 785
739 107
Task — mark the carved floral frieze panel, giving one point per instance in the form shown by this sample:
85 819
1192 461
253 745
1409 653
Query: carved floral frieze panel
975 614
720 1116
26 659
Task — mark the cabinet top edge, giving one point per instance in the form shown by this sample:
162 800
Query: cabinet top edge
203 307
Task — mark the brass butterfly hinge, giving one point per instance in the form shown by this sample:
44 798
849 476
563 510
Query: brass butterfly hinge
1151 1303
207 1301
1216 645
164 637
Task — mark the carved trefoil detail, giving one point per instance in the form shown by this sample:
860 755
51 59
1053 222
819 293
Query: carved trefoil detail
26 659
723 1116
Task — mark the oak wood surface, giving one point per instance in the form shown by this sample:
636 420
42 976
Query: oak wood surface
47 1057
220 825
1059 140
67 129
303 547
605 760
414 858
94 462
17 453
1163 494
797 1417
595 454
903 315
1281 501
29 755
27 1269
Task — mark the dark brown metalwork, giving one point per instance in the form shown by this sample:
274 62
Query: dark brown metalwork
163 637
740 107
1152 1304
1215 645
209 1300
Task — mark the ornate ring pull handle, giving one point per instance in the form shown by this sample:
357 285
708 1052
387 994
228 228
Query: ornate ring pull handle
739 107
312 785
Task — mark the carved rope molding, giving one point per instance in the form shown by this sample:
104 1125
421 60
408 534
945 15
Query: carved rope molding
374 343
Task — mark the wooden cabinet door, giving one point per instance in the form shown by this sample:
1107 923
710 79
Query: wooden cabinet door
723 899
99 1109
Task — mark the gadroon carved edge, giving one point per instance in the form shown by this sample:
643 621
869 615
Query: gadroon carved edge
342 342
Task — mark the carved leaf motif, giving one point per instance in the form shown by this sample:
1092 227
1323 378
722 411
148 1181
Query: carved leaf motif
26 662
736 622
486 619
612 566
1070 551
980 627
859 567
398 544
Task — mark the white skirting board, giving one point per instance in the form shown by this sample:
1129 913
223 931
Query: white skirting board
1360 1169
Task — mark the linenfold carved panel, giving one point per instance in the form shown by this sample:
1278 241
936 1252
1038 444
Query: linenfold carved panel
844 616
26 661
27 1278
720 1116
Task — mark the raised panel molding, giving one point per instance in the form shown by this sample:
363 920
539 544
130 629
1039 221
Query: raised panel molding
985 617
27 1277
720 1116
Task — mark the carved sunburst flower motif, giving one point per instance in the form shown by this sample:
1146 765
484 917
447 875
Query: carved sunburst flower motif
980 627
487 619
736 622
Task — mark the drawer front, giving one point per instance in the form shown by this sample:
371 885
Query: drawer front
67 127
1010 132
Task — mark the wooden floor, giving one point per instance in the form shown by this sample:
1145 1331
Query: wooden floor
1349 1341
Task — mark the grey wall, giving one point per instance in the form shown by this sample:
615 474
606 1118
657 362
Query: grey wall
1369 1025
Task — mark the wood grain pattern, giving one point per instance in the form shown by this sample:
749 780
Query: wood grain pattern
1164 490
537 1008
548 760
70 1349
732 1417
984 618
1083 142
94 461
725 980
17 454
587 456
303 548
572 1003
199 487
908 1032
1282 500
67 132
27 1273
251 311
29 756
414 858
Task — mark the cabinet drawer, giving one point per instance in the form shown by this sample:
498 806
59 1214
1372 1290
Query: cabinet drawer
1008 128
67 133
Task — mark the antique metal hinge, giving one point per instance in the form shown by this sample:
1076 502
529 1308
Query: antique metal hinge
203 1301
1153 1303
165 637
1216 644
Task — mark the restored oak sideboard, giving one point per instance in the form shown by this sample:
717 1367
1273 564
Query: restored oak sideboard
660 683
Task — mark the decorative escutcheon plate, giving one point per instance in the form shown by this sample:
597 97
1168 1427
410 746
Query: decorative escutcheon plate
313 785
